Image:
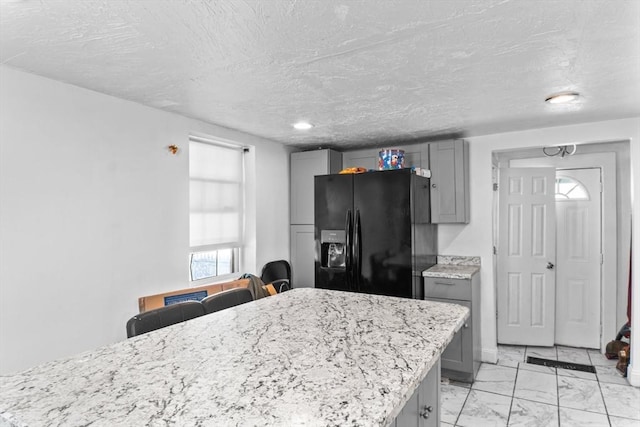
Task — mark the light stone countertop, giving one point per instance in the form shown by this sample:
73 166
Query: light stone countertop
454 267
452 271
309 357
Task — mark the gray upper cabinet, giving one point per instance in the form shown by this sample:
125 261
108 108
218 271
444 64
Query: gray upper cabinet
304 166
449 164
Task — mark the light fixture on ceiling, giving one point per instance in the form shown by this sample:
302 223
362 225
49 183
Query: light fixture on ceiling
302 126
559 150
562 97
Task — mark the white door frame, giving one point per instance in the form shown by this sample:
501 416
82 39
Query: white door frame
609 280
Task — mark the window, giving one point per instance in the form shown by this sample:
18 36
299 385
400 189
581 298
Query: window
216 208
568 188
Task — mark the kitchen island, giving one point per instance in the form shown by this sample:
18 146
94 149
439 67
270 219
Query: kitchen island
304 357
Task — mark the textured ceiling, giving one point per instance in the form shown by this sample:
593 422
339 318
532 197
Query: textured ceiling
363 72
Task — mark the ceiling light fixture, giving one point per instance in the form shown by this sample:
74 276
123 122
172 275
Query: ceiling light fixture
560 150
302 126
562 97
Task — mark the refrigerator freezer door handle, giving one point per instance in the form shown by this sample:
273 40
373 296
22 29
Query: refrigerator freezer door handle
356 252
348 249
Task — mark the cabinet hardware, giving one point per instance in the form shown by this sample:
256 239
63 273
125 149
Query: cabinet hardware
426 411
445 283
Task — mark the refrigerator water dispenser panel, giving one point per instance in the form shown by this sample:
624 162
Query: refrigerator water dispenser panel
333 248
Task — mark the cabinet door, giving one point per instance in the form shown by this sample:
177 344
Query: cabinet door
304 167
302 256
410 415
449 166
429 398
423 408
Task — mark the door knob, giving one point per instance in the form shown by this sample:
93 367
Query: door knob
550 266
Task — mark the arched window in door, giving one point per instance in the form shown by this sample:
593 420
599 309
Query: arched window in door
568 188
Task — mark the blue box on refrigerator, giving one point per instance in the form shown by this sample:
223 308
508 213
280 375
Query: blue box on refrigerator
391 158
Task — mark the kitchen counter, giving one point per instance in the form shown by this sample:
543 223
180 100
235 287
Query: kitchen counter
304 357
449 271
454 267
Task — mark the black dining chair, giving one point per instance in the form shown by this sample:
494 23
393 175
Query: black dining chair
226 299
163 316
277 273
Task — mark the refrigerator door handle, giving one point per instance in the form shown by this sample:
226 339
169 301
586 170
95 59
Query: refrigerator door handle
357 252
348 249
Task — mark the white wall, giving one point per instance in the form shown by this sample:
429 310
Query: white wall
94 213
476 237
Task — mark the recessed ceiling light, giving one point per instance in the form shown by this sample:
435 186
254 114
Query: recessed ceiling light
303 126
562 97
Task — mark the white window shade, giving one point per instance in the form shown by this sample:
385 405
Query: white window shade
216 195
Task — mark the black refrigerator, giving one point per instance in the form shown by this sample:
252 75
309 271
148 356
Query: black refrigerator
373 232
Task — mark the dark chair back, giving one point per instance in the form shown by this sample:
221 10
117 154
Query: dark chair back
226 299
163 316
278 273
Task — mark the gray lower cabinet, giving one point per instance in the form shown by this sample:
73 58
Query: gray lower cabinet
461 358
302 247
423 408
449 164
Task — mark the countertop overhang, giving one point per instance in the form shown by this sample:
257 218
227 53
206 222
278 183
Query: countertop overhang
304 357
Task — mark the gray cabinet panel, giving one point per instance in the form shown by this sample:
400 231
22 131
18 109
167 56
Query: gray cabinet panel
304 167
429 398
461 358
458 356
449 164
409 416
302 256
423 408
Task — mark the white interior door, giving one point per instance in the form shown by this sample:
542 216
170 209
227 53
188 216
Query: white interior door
579 257
526 255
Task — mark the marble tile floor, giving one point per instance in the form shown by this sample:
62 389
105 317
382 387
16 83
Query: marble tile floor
514 393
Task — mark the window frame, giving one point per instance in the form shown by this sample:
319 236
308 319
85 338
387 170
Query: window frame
235 246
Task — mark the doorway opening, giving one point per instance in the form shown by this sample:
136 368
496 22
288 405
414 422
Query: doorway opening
585 267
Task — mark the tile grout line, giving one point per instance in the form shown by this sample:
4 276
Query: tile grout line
558 396
455 423
604 403
558 388
513 393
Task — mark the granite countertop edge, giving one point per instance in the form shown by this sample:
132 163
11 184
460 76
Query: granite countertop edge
450 271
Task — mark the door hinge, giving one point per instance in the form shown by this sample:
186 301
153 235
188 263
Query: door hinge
495 250
495 186
601 259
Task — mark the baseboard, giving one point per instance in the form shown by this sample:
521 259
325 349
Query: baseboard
633 375
490 355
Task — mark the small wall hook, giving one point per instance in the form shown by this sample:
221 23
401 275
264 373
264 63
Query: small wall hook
173 149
